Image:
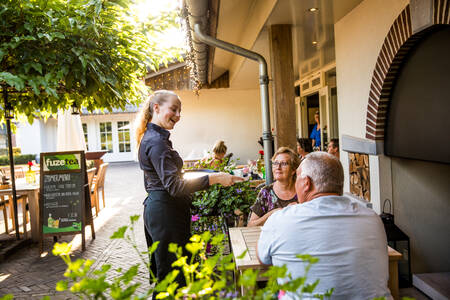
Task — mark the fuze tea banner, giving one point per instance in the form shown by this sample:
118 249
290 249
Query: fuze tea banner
61 162
61 199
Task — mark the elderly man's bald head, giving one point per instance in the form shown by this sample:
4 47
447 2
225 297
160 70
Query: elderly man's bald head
325 172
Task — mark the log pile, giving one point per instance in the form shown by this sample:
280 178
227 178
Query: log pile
359 175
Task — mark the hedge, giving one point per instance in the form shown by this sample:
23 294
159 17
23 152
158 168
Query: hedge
16 151
18 159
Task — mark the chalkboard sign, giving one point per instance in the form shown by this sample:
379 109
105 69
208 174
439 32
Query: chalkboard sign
64 202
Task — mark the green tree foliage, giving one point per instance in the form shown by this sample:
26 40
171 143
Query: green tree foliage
91 53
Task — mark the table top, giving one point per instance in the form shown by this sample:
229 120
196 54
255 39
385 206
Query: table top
242 239
22 185
246 238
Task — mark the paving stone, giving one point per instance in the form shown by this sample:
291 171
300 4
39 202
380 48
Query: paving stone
31 277
25 289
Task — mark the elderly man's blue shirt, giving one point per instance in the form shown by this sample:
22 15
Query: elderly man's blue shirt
347 238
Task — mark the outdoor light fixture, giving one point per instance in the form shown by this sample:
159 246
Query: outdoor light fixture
75 109
9 111
313 9
398 240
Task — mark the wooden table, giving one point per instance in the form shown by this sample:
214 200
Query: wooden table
394 257
32 192
246 238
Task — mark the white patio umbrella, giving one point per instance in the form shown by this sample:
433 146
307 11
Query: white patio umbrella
70 134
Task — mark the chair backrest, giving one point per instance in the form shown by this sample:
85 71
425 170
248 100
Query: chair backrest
190 163
101 175
228 158
18 172
90 174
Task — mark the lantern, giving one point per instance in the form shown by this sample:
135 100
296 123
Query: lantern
9 111
399 241
75 109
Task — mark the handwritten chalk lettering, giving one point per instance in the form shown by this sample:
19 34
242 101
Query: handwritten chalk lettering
56 178
50 188
51 204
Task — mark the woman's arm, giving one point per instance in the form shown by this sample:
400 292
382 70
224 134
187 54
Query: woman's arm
224 179
167 170
255 220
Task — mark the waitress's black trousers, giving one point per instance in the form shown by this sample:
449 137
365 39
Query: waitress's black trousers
167 220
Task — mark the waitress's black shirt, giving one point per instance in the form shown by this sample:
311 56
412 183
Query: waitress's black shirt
162 165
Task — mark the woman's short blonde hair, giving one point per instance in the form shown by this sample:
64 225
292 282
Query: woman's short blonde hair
294 160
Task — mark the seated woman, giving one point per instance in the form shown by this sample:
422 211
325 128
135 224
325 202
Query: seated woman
216 159
304 146
279 194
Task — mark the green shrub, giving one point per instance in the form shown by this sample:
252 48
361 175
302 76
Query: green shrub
18 159
207 277
4 151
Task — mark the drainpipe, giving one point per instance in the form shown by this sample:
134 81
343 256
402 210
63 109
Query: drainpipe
263 87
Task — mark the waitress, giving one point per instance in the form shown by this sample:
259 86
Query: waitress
167 207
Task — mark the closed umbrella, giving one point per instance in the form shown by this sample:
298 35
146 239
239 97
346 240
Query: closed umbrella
70 135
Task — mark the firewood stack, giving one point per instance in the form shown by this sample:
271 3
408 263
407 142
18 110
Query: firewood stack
359 175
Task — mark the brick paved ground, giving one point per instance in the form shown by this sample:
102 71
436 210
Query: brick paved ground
27 275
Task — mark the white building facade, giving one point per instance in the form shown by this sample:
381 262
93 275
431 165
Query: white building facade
112 132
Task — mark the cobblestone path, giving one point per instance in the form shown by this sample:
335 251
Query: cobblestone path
29 276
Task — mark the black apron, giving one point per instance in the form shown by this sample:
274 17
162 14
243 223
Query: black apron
167 220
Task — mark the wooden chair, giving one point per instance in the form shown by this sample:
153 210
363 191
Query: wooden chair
3 204
22 200
190 163
18 172
90 175
99 184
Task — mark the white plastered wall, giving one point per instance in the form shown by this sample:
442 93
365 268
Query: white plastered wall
227 114
359 36
37 137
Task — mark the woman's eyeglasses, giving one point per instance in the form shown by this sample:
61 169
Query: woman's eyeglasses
282 164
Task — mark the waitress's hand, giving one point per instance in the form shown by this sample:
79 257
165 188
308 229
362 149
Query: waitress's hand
224 179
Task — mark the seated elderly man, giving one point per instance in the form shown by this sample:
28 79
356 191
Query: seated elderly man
347 238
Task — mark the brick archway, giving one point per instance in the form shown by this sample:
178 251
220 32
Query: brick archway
399 40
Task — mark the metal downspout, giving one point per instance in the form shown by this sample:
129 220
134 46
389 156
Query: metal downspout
264 90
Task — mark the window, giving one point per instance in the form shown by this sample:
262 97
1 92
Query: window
123 131
106 136
85 131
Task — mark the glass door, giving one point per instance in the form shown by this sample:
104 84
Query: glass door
328 115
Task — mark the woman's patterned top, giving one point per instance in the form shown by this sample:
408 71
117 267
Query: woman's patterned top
268 200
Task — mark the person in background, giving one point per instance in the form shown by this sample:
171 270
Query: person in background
215 159
279 194
167 217
347 237
333 147
304 147
218 153
315 134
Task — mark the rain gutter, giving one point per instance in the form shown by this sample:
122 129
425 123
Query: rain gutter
263 87
197 12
